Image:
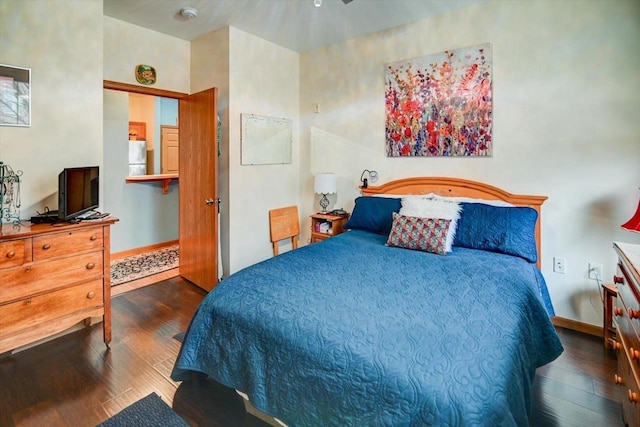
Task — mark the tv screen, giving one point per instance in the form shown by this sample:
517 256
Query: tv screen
77 191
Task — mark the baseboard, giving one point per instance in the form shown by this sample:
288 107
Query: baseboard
575 325
142 249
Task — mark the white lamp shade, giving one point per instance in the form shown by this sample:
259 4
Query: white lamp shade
325 183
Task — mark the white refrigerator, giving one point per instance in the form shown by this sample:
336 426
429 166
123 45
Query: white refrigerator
137 158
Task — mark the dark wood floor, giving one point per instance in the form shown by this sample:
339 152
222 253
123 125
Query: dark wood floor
75 381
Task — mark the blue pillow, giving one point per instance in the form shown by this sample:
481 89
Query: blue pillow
374 214
508 230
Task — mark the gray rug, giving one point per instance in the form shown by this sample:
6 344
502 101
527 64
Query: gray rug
138 266
150 411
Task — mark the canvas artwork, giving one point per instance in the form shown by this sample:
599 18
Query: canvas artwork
440 104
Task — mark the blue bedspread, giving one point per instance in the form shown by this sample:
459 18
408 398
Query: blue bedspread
349 332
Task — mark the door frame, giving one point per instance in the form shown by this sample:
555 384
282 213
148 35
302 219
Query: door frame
125 87
143 90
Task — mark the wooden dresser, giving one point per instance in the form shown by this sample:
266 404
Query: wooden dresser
52 277
627 318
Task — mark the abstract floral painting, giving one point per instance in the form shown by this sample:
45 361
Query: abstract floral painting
440 104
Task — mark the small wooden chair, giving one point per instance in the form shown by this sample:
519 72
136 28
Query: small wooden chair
284 223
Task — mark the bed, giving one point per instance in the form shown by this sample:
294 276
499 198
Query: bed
359 330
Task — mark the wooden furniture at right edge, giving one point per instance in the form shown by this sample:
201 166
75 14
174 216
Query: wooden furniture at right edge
627 318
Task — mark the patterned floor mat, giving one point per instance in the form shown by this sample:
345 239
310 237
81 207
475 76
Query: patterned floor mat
138 266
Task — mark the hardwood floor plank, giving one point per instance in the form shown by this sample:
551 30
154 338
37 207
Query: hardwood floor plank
144 281
42 413
75 380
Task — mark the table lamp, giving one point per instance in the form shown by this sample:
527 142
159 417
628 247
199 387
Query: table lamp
325 183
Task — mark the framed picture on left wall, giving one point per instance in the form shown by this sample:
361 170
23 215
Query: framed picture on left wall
15 96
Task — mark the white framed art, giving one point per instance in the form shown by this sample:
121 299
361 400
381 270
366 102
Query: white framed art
15 96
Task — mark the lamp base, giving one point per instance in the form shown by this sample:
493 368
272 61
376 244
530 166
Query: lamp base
324 202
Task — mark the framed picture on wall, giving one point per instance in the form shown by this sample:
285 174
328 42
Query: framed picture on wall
15 96
441 104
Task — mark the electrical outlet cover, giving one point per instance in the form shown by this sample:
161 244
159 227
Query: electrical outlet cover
595 271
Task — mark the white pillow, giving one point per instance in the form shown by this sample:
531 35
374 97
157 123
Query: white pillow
433 208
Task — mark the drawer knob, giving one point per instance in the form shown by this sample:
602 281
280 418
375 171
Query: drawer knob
28 302
93 238
11 254
618 379
46 246
634 314
618 311
633 397
90 266
618 279
615 345
634 354
91 294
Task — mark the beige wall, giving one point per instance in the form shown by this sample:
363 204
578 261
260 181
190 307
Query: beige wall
257 77
61 42
263 80
210 68
129 45
565 121
147 216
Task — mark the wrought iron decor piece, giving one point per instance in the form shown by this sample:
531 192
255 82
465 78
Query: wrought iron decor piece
9 194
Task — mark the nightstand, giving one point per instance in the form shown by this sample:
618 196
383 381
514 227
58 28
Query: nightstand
324 226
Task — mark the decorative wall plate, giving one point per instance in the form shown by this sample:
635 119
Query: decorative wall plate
145 74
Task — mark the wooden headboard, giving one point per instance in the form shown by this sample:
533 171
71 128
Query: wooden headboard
458 187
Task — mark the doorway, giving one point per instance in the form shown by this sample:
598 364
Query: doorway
198 198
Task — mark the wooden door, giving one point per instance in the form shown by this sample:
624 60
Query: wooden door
169 146
198 196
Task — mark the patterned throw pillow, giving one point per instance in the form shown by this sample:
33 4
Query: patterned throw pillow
423 234
434 208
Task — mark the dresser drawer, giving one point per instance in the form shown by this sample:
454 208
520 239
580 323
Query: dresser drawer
629 390
15 252
29 312
57 244
626 287
628 331
34 278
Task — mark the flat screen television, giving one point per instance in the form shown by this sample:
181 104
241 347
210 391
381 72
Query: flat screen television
77 191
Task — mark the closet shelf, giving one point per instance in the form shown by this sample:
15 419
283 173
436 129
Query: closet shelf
164 178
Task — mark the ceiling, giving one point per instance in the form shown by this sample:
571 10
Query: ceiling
295 24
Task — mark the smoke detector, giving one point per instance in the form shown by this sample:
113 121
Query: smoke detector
189 12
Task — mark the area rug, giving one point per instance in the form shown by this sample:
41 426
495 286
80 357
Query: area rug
143 265
150 411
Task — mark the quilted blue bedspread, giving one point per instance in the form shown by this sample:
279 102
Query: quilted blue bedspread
350 332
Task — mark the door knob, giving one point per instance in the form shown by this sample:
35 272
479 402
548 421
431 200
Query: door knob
209 201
